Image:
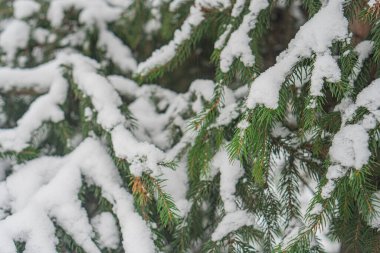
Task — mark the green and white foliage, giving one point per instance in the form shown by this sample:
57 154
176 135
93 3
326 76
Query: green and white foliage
96 158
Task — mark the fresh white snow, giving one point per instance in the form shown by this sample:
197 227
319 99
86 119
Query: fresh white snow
14 37
25 8
350 145
28 208
54 196
106 228
316 36
238 45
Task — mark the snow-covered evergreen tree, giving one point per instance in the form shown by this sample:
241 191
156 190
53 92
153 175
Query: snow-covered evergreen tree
256 158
